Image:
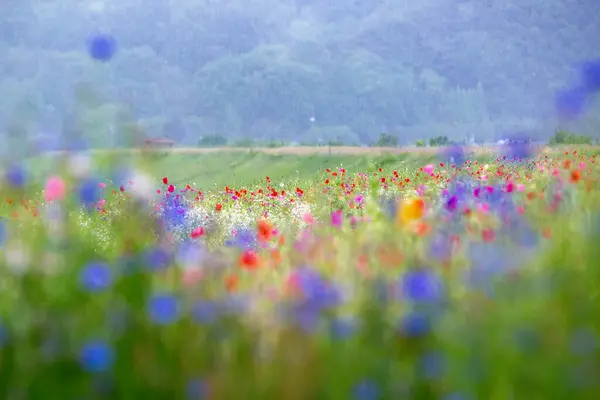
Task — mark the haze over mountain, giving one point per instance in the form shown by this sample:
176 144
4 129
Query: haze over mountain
295 70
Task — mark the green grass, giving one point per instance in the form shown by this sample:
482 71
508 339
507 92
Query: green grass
235 168
526 333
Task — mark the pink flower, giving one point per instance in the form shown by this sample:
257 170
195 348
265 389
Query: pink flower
196 233
191 276
308 218
100 203
483 207
55 189
428 169
520 187
336 218
102 185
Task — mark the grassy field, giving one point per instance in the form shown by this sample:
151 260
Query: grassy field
294 274
230 166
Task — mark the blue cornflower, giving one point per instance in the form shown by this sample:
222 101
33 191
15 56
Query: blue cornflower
571 103
367 389
584 342
342 328
431 365
415 324
102 47
316 291
89 192
205 312
244 239
306 318
440 247
518 147
96 356
173 212
590 76
454 154
190 253
521 233
163 309
16 175
488 262
158 258
196 389
421 286
234 304
96 277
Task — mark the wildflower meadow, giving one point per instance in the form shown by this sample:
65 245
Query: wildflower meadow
468 277
452 274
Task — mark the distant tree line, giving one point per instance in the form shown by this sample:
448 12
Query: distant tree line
303 71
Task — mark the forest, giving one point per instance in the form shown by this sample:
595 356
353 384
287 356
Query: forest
304 71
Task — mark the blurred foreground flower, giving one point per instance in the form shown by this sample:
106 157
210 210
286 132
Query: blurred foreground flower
55 189
410 210
102 47
96 356
163 309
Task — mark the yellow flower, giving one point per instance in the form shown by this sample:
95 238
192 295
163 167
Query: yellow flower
410 210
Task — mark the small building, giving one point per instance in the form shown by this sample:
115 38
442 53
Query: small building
160 143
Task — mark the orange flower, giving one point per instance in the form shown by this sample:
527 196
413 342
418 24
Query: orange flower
575 175
249 260
410 210
265 231
422 228
276 257
231 282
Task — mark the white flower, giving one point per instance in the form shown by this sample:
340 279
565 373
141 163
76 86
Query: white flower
17 258
80 165
142 187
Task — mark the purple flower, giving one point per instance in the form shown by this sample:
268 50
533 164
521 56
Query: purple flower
454 155
96 277
205 312
431 365
415 324
96 356
421 286
367 389
102 47
158 258
337 218
590 76
16 175
197 389
89 192
316 290
584 342
452 203
571 103
342 328
163 309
